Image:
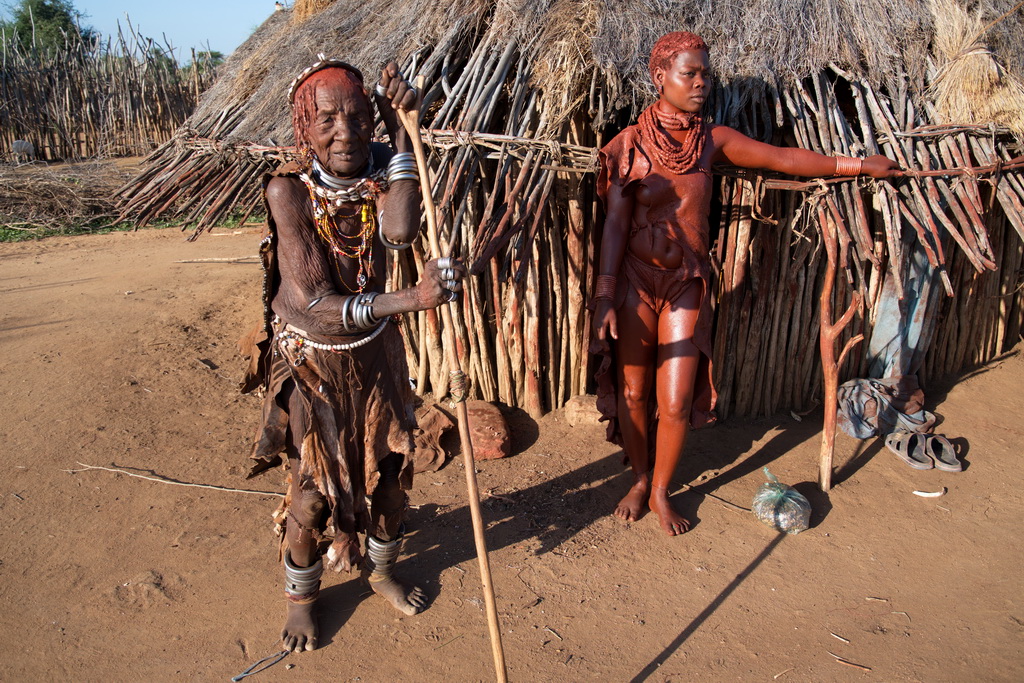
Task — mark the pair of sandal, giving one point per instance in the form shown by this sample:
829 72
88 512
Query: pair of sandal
924 451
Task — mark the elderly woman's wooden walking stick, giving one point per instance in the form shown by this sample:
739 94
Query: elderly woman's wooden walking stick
411 121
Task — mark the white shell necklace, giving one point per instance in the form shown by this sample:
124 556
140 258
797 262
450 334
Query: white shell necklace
338 191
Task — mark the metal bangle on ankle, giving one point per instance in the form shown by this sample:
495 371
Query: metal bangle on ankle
302 584
382 555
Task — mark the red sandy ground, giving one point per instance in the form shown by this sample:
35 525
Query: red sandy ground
114 353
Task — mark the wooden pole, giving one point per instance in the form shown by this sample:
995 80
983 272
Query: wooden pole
411 121
830 331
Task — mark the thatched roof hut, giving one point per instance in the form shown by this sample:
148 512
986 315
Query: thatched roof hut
520 94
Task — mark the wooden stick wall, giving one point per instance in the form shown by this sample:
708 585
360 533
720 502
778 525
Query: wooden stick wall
520 208
86 100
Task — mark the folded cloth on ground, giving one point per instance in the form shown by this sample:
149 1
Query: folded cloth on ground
870 407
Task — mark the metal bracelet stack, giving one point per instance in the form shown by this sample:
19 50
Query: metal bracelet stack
848 166
302 584
357 312
382 555
605 289
402 167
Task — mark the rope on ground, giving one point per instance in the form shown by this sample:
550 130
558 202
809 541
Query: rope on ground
277 657
723 501
175 483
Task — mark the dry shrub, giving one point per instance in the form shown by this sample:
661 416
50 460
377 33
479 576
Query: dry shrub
60 196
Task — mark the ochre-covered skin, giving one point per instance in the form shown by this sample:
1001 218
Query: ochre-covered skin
654 336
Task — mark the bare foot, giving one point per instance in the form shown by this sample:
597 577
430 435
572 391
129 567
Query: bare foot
300 631
631 507
671 521
407 599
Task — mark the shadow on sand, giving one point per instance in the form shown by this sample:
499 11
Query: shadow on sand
553 511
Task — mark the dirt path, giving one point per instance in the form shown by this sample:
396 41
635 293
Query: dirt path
115 353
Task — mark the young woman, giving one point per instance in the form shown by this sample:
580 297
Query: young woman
652 317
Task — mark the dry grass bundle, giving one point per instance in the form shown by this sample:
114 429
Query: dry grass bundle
561 61
766 44
304 9
971 84
37 197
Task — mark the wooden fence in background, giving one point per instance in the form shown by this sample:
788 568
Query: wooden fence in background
89 99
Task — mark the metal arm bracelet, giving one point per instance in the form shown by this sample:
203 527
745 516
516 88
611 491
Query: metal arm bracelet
397 246
402 167
357 312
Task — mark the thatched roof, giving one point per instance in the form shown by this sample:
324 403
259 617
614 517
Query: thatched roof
526 67
558 43
971 84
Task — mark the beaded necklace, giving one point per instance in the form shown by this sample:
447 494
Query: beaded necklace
329 196
678 157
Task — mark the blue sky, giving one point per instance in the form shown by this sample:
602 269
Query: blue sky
224 24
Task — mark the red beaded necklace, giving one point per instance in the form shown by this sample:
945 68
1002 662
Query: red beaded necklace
678 157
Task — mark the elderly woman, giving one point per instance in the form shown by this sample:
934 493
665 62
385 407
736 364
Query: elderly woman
337 388
653 279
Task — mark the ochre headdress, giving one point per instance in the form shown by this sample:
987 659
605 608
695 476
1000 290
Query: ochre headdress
671 44
302 92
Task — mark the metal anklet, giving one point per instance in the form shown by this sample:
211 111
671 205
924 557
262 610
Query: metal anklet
382 555
302 584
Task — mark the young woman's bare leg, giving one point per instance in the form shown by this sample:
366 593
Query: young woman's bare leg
635 354
678 360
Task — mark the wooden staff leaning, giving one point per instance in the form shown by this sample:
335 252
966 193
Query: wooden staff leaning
410 119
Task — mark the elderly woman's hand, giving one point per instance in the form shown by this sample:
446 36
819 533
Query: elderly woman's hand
392 93
441 282
395 91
